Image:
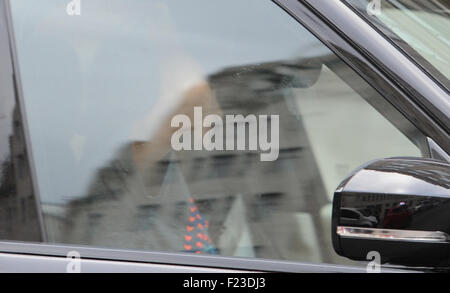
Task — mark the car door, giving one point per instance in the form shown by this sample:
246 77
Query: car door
97 163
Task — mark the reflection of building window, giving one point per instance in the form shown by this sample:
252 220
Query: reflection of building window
17 131
146 217
23 209
9 214
21 166
93 220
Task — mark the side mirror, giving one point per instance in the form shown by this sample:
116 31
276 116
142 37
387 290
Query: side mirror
398 207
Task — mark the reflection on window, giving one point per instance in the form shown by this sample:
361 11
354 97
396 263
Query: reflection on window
18 214
115 77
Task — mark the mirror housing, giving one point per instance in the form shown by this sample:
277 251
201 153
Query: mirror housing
398 207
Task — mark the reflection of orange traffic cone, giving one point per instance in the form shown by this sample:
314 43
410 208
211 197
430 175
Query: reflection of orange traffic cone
196 238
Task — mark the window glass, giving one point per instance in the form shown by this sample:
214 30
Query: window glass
214 127
423 25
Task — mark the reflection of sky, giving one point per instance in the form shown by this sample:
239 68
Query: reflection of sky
91 81
400 184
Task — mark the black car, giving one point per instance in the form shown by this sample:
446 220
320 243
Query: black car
224 136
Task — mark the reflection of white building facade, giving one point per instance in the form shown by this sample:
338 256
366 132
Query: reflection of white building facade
262 209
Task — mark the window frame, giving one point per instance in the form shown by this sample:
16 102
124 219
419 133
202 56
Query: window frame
208 263
341 44
398 79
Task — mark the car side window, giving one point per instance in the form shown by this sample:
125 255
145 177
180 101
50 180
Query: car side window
211 127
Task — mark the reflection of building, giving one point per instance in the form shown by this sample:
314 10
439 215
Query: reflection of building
18 215
263 209
379 204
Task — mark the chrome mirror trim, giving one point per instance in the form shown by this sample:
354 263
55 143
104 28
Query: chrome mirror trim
393 235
